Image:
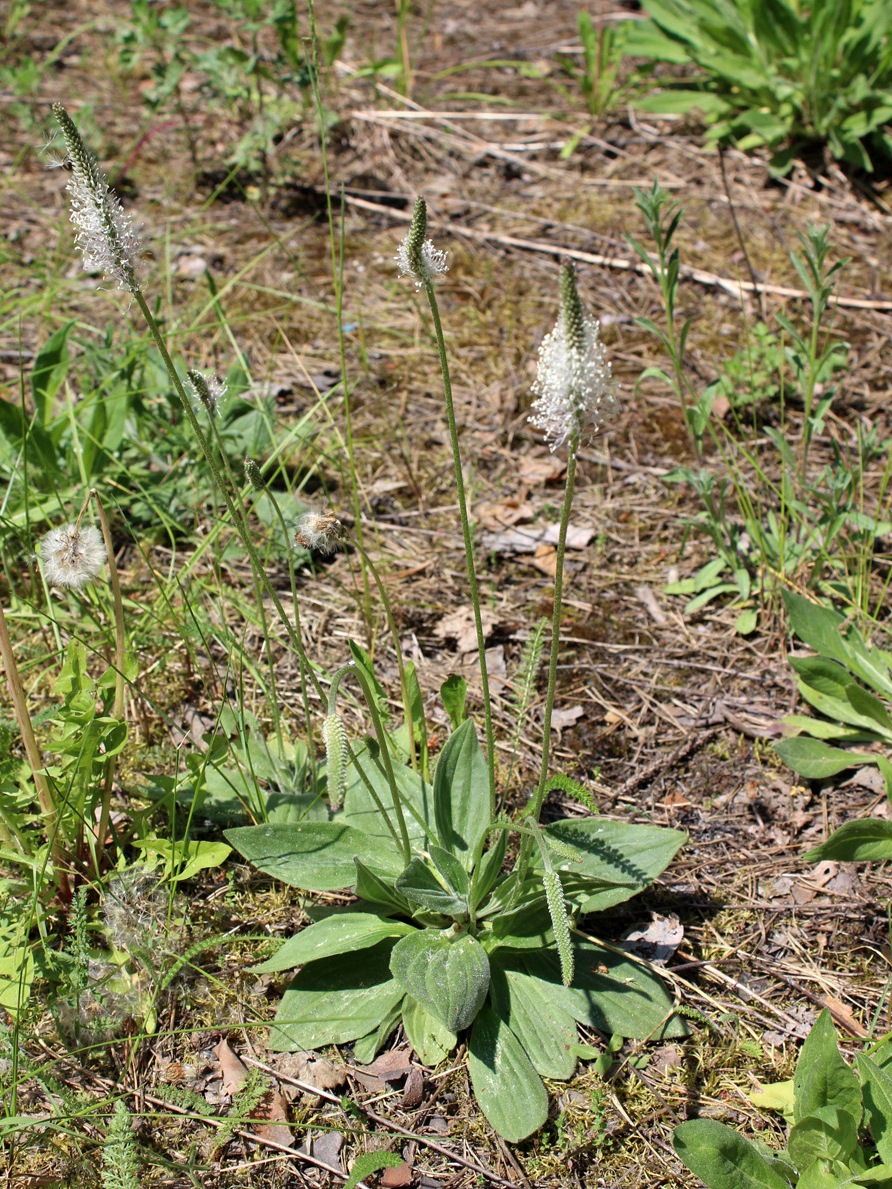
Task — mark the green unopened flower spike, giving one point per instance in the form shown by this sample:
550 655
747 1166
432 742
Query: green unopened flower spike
417 256
335 736
574 385
253 475
560 922
104 233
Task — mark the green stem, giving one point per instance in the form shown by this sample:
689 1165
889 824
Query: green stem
534 808
469 543
120 646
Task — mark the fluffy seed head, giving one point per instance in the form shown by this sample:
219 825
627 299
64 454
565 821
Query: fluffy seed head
103 232
72 556
417 256
574 386
206 392
320 532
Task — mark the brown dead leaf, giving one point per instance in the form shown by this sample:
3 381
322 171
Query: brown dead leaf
231 1068
546 560
843 1015
529 540
274 1108
459 625
659 941
503 513
561 719
548 468
414 1090
310 1068
398 1177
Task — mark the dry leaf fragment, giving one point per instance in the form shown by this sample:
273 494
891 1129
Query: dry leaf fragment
310 1068
231 1068
398 1177
503 513
561 719
414 1090
528 540
547 469
460 626
274 1108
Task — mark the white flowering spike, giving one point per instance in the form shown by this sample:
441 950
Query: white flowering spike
206 392
104 233
574 386
72 556
417 256
320 532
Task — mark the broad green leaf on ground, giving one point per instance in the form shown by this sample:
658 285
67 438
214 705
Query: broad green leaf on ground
868 840
876 1088
816 760
461 793
508 1090
610 992
722 1158
544 1027
827 1134
431 1040
615 853
822 1077
316 856
366 1048
447 974
341 933
336 1000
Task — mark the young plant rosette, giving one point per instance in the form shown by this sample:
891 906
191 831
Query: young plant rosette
452 945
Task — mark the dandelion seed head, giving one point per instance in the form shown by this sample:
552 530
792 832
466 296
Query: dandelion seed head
574 385
417 256
320 532
72 556
103 233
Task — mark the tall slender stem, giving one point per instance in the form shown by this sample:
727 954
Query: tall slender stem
428 287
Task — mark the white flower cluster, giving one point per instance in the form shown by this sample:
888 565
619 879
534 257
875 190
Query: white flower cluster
574 385
104 233
423 266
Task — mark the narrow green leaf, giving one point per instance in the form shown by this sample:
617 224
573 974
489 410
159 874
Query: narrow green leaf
341 933
722 1158
375 890
508 1090
454 696
48 372
447 973
419 884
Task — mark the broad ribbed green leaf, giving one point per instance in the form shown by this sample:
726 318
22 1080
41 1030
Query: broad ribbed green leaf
822 1077
341 933
461 794
431 1040
868 840
610 992
816 760
828 1134
361 812
446 973
508 1090
336 1000
876 1088
419 884
625 858
316 856
543 1026
722 1158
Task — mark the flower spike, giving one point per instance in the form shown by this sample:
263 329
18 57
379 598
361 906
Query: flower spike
417 256
105 234
574 386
